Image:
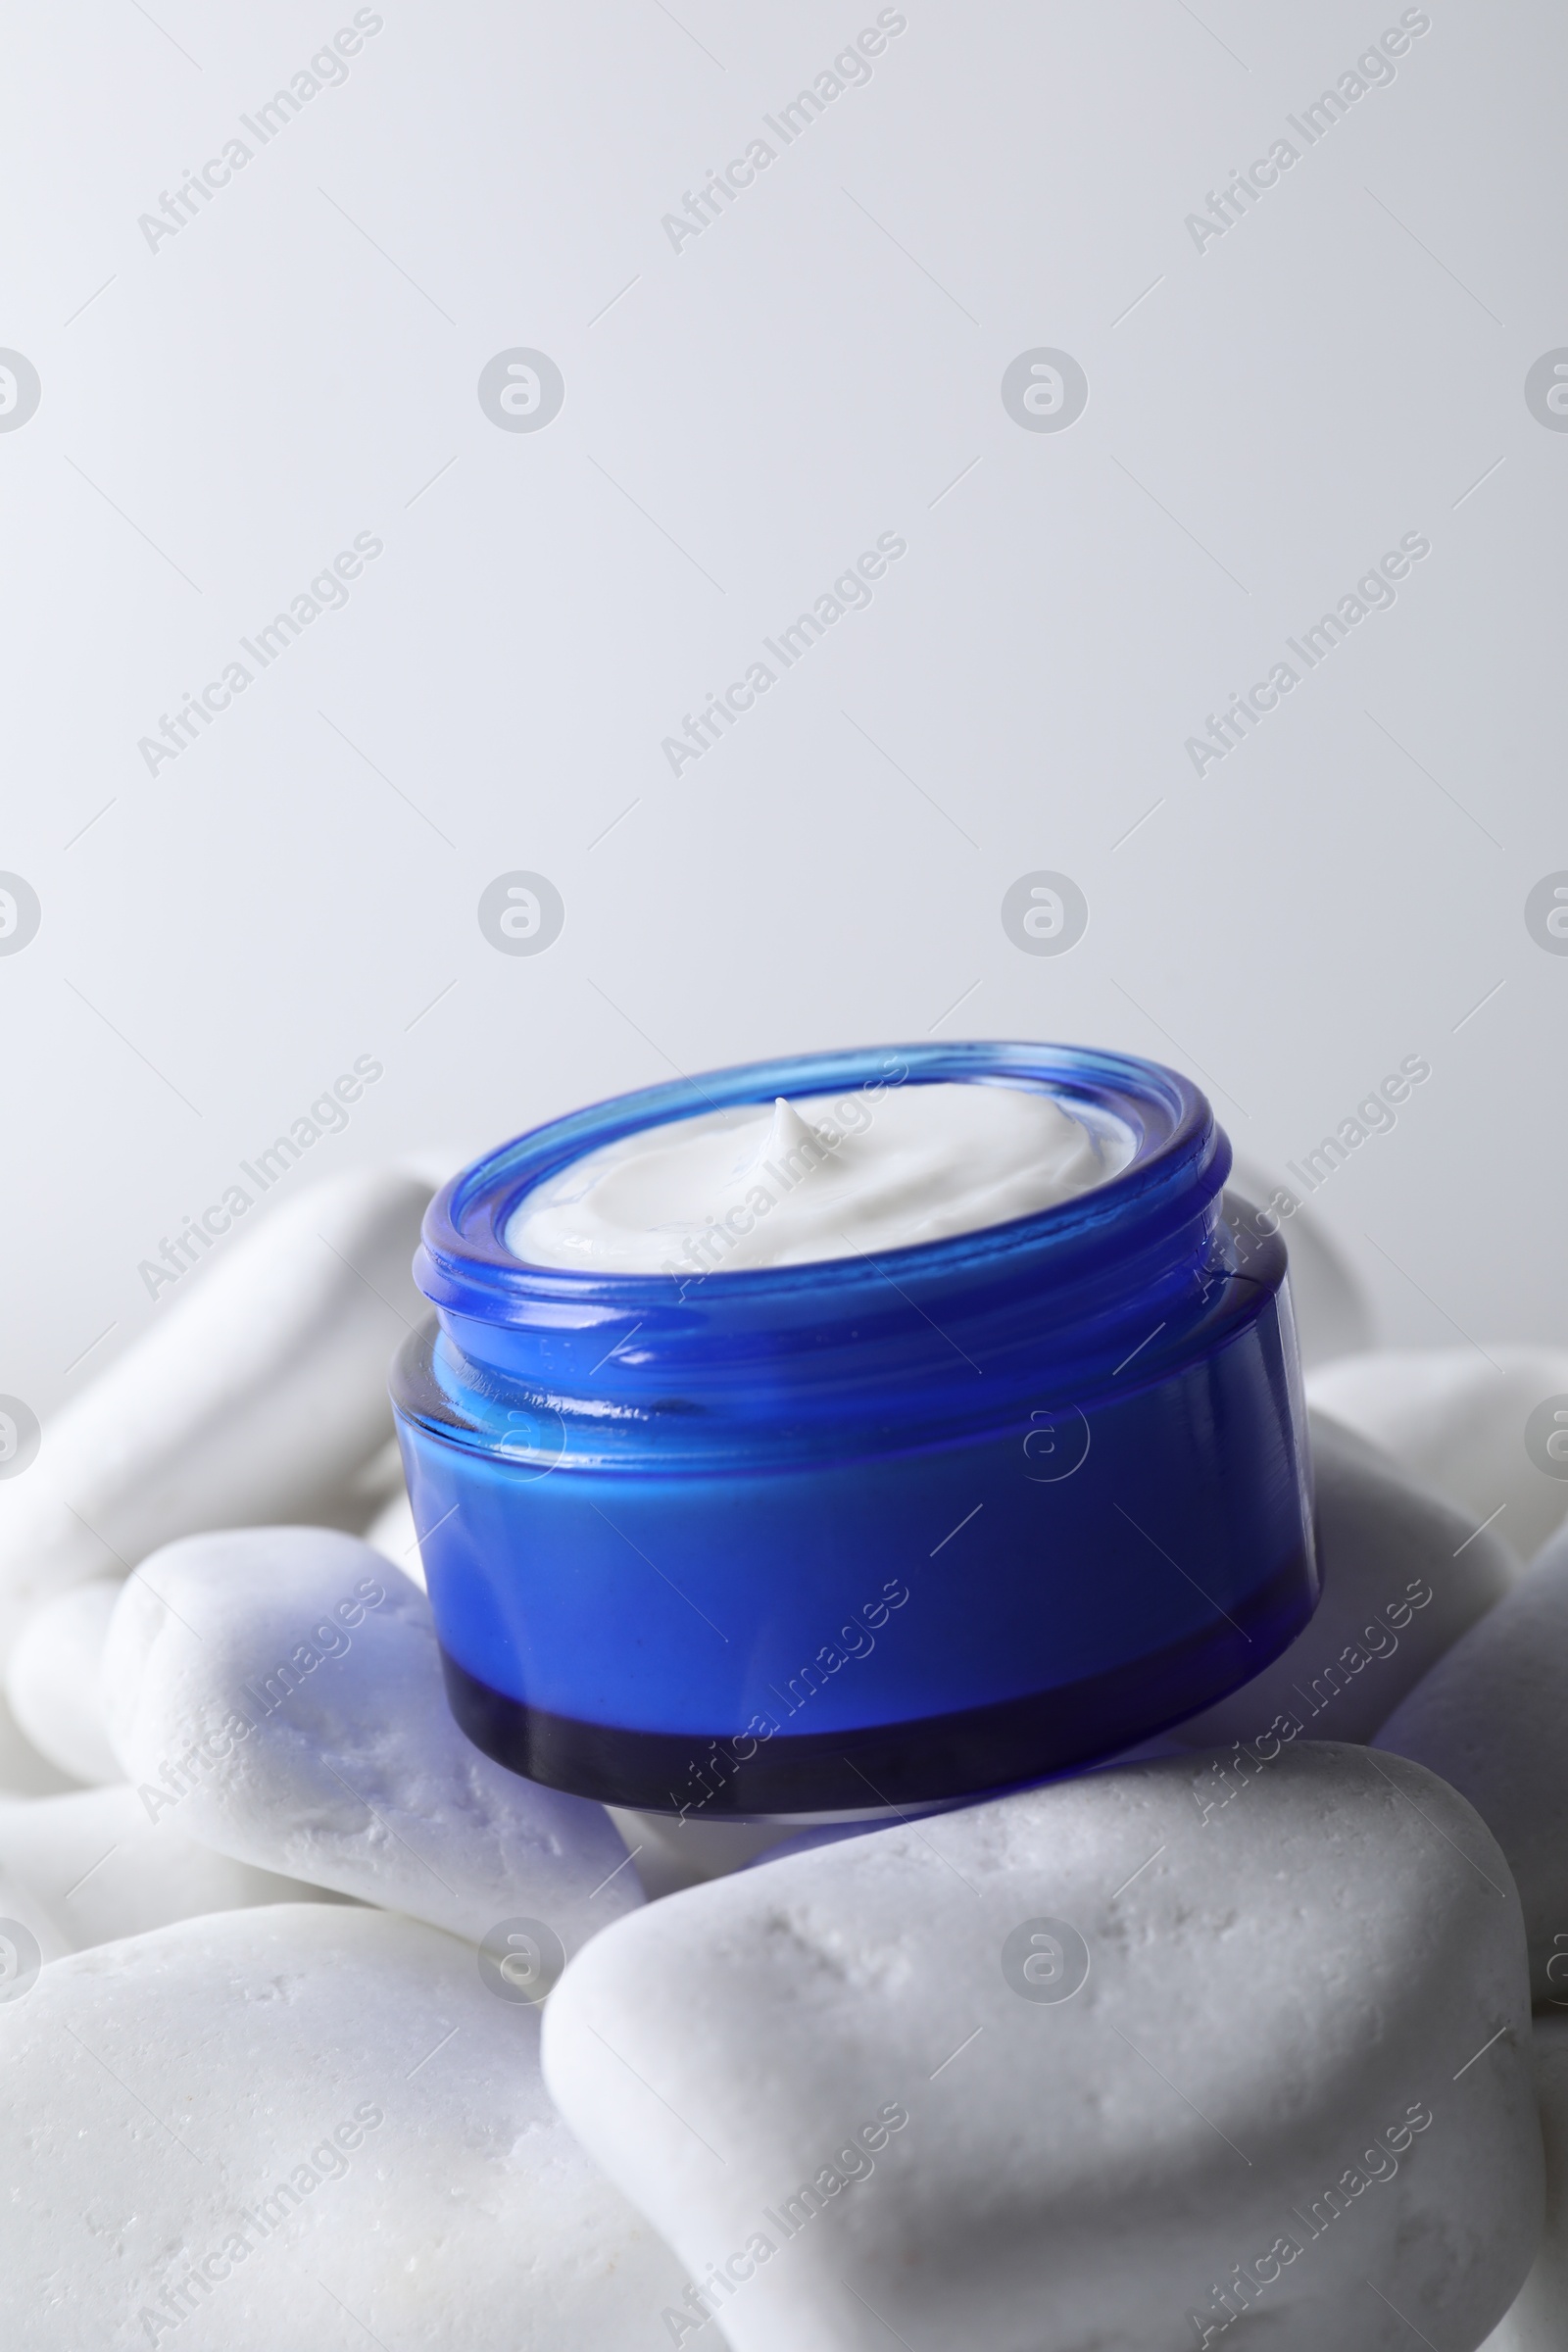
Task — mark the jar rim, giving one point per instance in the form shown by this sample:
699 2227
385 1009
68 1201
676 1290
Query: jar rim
1178 1164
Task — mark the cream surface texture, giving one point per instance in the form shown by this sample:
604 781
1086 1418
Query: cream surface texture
831 1176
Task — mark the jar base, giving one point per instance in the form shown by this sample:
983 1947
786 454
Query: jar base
873 1767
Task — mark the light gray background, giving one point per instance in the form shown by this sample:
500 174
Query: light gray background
300 364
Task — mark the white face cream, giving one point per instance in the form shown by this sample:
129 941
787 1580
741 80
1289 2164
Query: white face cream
828 1177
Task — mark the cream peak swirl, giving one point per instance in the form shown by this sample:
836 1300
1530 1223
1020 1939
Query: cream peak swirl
831 1176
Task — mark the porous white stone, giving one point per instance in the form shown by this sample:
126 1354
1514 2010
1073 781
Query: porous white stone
101 1868
1492 1717
1455 1419
51 1681
301 2127
1088 2065
253 1396
1404 1575
1539 2320
283 1689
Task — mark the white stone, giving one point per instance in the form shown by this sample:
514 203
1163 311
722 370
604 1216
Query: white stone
100 1868
254 1397
1455 1419
31 1933
285 1688
24 1772
1492 1718
1403 1576
315 2129
1273 1993
51 1681
1539 2320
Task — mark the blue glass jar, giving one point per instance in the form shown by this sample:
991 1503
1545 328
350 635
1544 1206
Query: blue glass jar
868 1532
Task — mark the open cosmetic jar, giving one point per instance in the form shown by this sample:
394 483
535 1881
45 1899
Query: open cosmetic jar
883 1529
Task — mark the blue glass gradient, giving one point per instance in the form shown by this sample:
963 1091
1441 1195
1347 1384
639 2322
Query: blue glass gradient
816 1538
